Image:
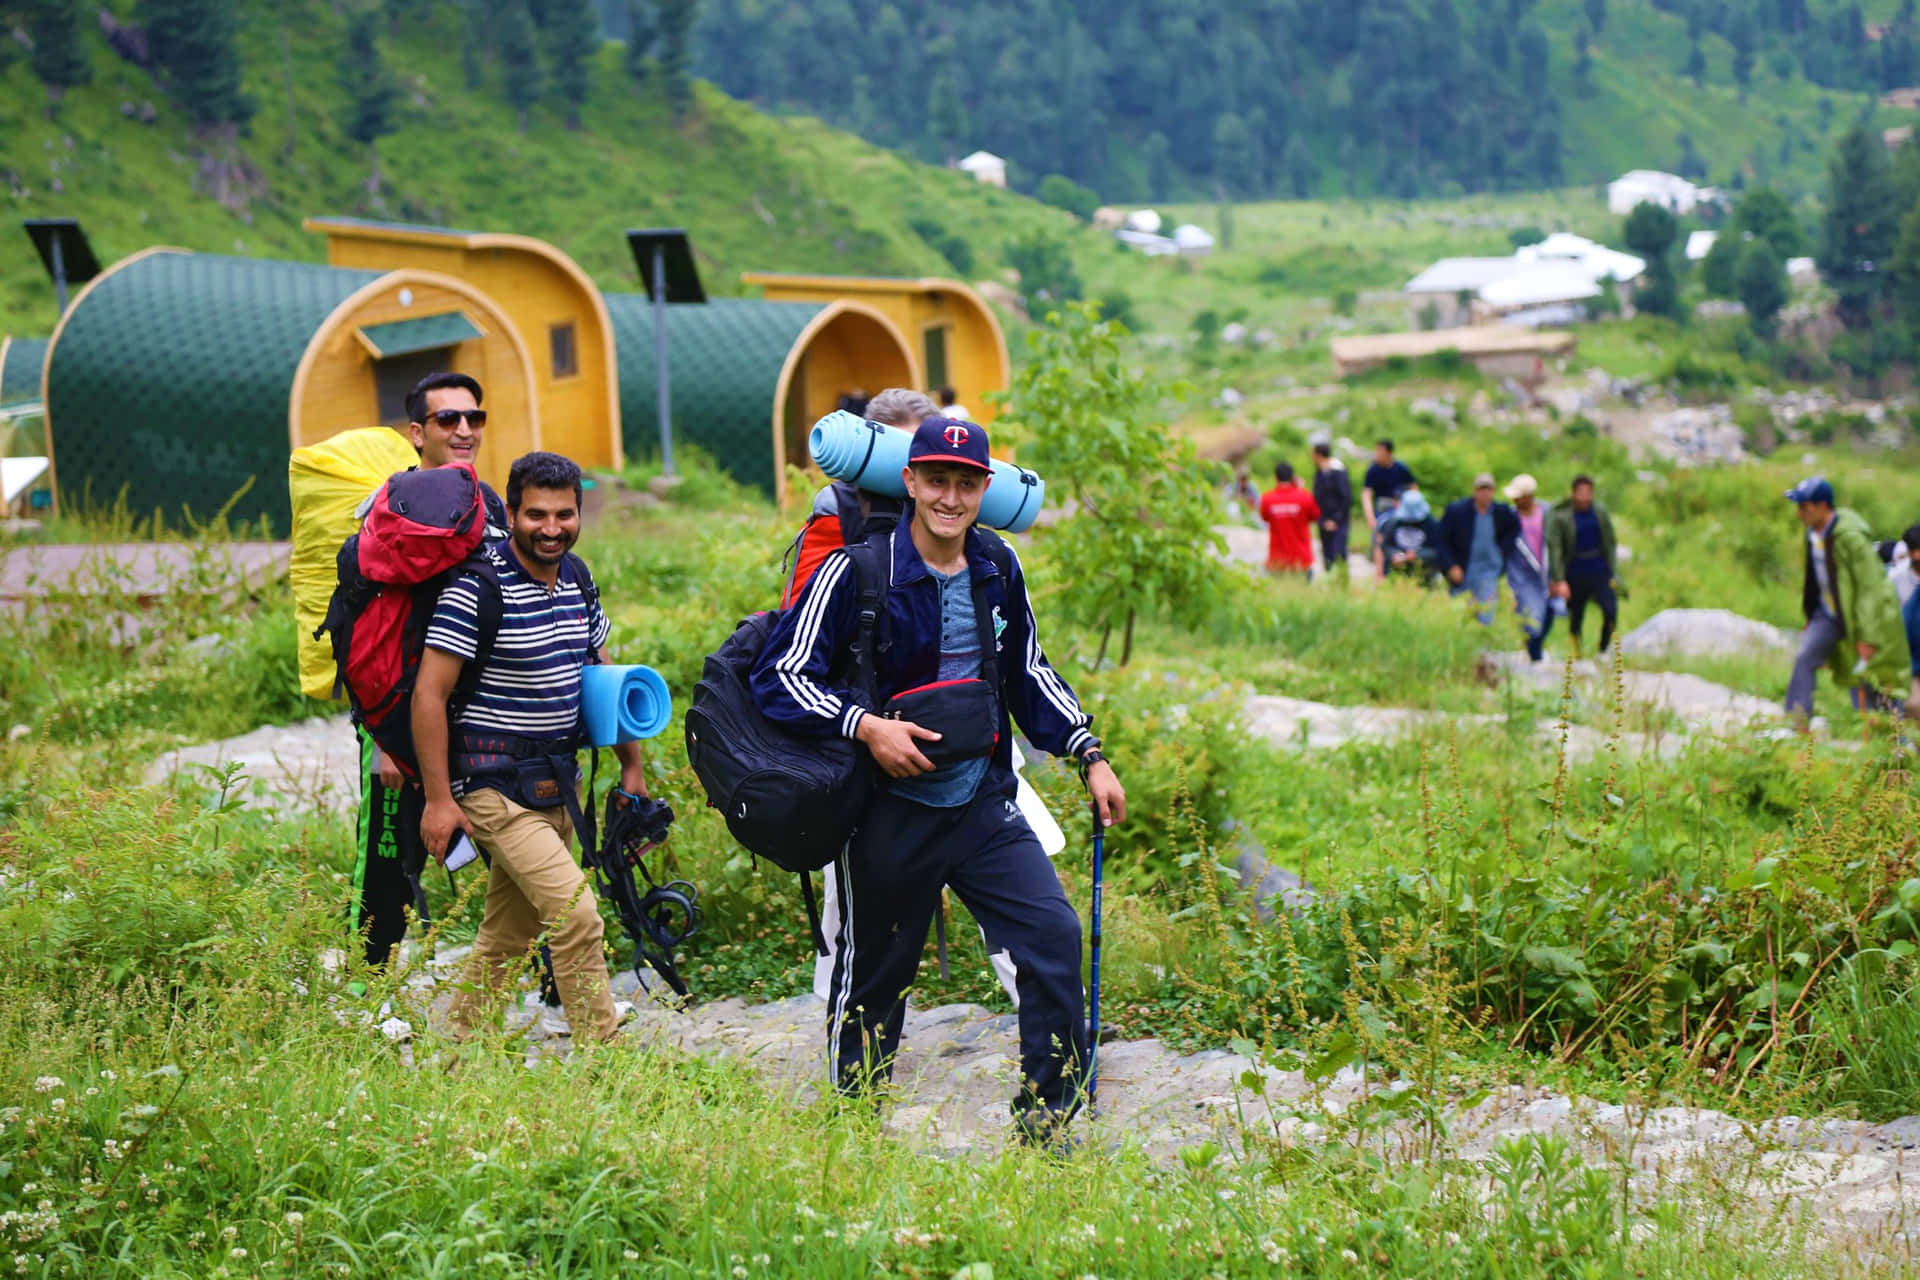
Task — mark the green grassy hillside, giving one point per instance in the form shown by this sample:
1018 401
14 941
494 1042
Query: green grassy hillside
756 192
1641 101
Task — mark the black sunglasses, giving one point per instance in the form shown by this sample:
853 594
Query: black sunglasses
451 417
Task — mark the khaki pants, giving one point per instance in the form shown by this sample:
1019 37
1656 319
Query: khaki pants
534 887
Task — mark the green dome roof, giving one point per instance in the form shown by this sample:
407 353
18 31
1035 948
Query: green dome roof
172 377
724 359
20 372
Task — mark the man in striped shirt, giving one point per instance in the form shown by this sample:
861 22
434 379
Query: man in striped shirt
500 765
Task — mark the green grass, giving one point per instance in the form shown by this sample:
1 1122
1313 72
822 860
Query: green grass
757 192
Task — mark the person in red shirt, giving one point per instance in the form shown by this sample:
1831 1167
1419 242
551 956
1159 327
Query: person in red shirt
1289 512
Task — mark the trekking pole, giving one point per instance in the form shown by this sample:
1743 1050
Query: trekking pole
1093 998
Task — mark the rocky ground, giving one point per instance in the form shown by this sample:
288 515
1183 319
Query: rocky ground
958 1068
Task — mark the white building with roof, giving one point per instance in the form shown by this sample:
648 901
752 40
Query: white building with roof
985 167
1562 272
1650 186
1192 241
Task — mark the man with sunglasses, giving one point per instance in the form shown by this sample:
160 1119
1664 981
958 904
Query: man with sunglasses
446 424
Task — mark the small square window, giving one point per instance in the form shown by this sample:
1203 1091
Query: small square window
566 360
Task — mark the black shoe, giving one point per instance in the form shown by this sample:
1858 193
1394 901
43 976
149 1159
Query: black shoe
1045 1129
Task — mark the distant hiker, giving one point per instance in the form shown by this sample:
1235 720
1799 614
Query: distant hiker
505 771
1383 481
1289 512
1846 597
962 650
1527 565
1910 615
1407 541
446 424
1580 560
1901 565
1477 537
950 406
1333 493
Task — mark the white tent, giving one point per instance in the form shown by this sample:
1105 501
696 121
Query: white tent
1147 220
1700 244
1539 284
1195 242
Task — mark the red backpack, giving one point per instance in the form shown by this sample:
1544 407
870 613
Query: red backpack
423 528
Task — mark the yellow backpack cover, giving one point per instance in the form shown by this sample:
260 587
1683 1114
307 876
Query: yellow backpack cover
328 482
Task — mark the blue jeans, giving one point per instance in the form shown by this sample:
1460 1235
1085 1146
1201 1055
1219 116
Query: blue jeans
1485 586
1531 602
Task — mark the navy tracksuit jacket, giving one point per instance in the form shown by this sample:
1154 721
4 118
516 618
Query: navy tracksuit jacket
890 876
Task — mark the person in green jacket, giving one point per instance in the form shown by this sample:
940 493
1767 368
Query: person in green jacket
1846 597
1580 548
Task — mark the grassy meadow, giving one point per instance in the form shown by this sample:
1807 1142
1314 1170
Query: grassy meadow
193 1091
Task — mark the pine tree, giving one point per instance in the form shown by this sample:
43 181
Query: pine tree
1232 157
946 114
196 44
1597 15
473 49
1650 232
1158 155
676 53
1762 280
1302 174
58 59
371 86
642 28
1696 67
1582 63
573 37
1860 227
1904 272
515 31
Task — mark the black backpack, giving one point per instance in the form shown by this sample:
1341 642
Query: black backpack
788 798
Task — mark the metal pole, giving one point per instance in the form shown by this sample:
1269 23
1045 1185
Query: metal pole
660 356
59 273
1093 1022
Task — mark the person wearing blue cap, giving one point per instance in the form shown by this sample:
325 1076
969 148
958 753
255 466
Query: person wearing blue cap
958 660
1853 616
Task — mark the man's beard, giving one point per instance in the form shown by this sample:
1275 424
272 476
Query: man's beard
526 545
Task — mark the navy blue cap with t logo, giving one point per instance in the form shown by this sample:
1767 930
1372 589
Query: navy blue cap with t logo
951 440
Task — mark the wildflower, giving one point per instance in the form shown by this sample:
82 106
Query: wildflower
236 1252
295 1217
1349 1257
47 1084
1271 1248
58 1104
762 1260
631 1255
109 1074
739 1273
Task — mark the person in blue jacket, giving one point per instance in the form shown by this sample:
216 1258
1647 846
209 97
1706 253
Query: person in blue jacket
1477 535
951 614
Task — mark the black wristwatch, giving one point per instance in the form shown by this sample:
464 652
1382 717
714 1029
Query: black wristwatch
1090 759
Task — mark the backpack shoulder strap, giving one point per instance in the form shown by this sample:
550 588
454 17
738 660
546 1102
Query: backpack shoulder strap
1002 557
488 610
870 577
590 592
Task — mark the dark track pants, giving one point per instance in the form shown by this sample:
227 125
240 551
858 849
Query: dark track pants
1600 592
889 883
388 841
1333 549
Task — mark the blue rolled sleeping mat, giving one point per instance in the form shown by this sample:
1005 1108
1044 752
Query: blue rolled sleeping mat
622 704
870 455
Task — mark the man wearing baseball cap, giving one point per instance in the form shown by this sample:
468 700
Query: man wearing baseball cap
1477 537
959 657
1853 616
1527 564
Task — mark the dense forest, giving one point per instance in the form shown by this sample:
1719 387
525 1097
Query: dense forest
1248 98
1147 99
